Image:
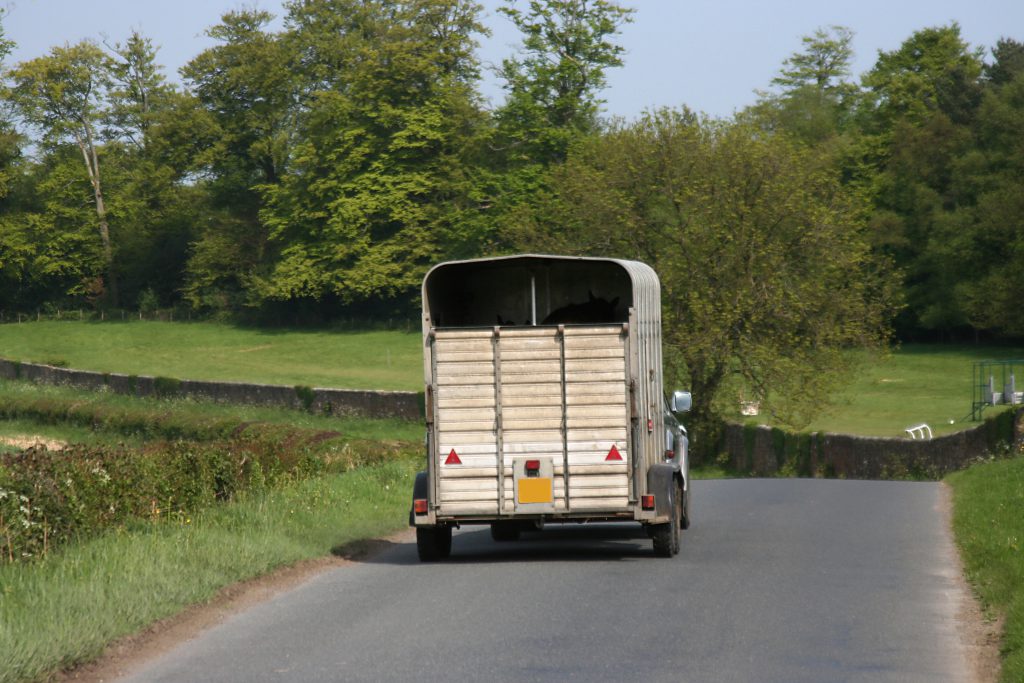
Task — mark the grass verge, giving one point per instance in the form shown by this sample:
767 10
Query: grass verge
63 610
988 500
168 418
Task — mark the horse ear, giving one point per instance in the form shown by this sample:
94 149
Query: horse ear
590 294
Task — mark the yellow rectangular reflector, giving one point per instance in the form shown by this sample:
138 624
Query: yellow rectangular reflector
535 490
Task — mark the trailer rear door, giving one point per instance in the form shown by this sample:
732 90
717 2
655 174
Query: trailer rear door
557 396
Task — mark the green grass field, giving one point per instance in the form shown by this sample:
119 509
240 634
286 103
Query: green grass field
916 383
321 358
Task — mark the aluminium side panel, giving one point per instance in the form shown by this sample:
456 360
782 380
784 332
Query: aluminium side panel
646 364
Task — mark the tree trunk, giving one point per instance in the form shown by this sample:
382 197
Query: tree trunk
705 426
92 165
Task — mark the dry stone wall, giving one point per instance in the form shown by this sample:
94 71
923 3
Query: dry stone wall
765 451
406 405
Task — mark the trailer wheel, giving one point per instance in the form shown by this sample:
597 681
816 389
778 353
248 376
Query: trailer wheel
666 536
433 543
505 531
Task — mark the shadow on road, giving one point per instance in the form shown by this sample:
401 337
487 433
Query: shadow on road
555 544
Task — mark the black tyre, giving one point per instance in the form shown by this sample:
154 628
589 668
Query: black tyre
433 543
666 536
505 531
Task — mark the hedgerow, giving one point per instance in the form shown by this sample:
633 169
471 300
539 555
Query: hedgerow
142 420
48 498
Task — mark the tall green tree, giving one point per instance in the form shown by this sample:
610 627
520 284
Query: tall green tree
62 94
553 87
378 187
823 64
247 91
49 253
933 71
816 98
1007 63
767 274
921 104
152 203
553 91
138 91
9 144
982 240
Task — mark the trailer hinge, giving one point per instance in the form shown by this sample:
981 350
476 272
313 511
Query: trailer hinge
634 415
428 404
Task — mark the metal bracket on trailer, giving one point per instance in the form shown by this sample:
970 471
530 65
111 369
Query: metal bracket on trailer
499 441
565 419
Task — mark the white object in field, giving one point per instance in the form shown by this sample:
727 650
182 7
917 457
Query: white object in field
919 431
750 408
990 391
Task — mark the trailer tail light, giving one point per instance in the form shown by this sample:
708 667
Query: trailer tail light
670 455
532 466
613 454
453 458
647 502
419 506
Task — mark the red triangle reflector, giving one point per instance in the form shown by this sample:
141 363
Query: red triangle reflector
453 459
614 454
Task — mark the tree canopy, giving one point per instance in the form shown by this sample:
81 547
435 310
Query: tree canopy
316 170
766 268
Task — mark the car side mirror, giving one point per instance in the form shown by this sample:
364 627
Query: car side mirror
681 402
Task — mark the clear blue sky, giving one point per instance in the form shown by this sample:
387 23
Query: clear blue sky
708 54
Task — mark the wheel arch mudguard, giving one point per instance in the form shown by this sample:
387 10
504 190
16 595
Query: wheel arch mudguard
660 479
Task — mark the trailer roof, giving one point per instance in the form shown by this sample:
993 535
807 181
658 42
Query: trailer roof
644 297
640 273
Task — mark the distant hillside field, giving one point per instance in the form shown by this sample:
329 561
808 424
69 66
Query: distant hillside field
917 383
322 358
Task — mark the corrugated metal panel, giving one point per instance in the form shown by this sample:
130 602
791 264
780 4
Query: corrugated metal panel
597 418
465 421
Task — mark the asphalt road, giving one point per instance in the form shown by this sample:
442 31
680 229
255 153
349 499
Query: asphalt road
778 580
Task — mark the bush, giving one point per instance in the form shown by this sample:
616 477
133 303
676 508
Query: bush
999 428
306 396
166 387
